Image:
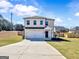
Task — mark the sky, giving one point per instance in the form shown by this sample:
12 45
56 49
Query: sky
65 12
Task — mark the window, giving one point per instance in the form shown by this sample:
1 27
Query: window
28 22
34 22
41 22
46 23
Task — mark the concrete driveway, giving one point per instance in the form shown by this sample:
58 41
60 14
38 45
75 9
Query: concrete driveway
30 50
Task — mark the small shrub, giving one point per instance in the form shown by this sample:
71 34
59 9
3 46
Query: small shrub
20 33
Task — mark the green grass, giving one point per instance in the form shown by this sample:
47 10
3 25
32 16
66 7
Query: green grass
11 40
69 49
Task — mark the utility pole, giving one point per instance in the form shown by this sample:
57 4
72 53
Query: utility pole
11 21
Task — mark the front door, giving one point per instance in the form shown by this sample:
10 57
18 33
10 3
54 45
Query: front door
46 34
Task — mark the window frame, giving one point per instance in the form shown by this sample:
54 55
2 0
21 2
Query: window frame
34 22
28 22
41 22
46 23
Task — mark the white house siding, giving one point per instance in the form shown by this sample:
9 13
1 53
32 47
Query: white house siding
37 33
50 35
50 23
32 25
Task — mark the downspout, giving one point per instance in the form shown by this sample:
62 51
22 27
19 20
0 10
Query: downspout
24 31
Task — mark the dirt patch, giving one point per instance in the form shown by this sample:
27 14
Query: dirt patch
5 34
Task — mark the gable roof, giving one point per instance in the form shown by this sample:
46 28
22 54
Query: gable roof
38 17
60 28
74 28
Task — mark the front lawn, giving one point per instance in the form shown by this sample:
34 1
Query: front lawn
9 38
70 49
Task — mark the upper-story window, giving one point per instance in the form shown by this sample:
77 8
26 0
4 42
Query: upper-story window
41 22
46 23
28 22
34 22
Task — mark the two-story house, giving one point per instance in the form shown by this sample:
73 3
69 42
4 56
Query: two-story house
37 27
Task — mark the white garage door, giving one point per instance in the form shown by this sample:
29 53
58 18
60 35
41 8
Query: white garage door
35 34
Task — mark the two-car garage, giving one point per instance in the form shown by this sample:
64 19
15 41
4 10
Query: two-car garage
35 33
42 34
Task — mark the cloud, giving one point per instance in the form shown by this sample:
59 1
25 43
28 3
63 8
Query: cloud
5 6
36 3
3 0
77 14
18 9
21 10
58 21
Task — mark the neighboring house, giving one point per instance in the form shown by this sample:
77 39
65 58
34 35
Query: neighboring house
61 29
38 27
74 30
